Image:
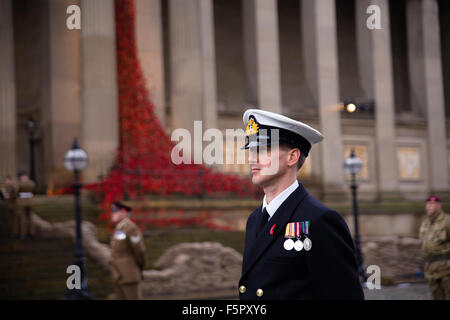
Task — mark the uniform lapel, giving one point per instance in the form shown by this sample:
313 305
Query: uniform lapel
257 224
280 218
250 236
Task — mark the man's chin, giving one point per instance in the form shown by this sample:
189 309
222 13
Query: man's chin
259 179
256 178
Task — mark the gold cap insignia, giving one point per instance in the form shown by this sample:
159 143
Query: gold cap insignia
252 127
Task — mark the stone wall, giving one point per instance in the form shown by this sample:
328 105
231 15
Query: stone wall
398 257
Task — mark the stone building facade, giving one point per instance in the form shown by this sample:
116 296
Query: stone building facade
209 60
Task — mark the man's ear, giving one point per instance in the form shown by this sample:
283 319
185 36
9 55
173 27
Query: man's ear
293 157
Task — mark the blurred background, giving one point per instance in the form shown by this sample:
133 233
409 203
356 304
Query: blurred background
381 90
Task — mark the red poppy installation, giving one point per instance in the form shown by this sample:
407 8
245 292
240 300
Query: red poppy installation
143 164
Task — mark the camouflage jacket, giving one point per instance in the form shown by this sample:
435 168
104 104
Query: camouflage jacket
9 195
127 253
26 187
435 239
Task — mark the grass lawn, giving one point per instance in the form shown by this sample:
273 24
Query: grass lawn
61 208
36 268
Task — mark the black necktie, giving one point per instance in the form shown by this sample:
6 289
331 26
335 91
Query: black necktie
264 218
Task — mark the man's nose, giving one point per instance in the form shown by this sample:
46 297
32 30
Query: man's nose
252 157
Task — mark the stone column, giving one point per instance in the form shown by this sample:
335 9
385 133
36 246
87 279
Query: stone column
321 71
100 123
63 113
376 78
192 64
150 51
427 84
7 92
262 53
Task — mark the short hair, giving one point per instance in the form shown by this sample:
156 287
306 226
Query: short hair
21 173
301 159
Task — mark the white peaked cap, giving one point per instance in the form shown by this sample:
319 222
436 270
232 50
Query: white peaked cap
272 119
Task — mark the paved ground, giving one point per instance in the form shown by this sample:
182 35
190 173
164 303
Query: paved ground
404 291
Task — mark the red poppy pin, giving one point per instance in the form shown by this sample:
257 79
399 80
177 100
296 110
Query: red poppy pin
272 229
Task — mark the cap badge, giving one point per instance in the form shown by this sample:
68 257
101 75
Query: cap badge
252 127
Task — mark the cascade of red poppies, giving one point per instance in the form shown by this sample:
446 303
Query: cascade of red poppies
143 164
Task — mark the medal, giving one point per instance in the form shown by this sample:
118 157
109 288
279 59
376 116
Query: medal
293 230
289 234
307 243
289 244
298 245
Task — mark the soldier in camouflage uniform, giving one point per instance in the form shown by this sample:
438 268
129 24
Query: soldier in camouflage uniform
127 254
9 194
25 195
435 239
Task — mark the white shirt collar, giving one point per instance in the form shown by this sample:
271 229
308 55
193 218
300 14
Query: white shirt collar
273 206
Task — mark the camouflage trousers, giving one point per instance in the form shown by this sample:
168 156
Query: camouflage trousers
440 288
14 222
26 223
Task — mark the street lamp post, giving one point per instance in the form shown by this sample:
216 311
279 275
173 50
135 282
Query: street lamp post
31 127
76 160
353 166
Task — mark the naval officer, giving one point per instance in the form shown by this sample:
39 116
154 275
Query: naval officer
295 247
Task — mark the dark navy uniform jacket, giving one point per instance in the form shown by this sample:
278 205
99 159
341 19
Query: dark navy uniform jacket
327 271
